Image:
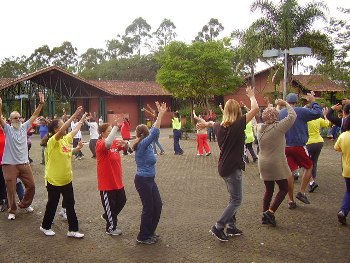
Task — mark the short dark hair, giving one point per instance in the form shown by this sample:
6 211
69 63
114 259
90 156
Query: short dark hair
346 124
346 109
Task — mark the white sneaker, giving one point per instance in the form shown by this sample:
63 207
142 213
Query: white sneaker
75 234
63 213
47 232
11 216
116 232
29 209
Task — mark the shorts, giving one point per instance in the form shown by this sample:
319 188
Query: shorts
298 156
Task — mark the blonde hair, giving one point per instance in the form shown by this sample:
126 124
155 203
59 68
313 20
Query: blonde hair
232 111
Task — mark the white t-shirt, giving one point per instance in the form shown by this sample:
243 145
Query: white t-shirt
93 128
72 125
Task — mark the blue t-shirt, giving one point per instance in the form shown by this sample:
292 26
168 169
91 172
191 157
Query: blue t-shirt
43 130
144 155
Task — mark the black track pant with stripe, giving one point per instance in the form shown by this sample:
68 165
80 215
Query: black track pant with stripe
113 202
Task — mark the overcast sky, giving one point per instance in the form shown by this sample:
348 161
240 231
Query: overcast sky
29 24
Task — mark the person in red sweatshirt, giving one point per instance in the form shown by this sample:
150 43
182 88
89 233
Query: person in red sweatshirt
109 175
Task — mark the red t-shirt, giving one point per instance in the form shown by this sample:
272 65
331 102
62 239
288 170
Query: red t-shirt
109 167
125 130
2 144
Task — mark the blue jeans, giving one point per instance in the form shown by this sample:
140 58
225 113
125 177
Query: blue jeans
211 134
151 205
345 207
20 190
156 142
234 187
177 136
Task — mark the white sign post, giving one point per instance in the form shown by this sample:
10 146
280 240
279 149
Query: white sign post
21 97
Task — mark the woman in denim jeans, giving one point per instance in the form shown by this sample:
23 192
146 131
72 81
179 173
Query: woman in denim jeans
230 136
145 179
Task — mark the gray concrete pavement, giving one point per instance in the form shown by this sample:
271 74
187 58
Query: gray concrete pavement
194 196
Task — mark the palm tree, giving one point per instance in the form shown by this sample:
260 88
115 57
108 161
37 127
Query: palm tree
248 51
287 24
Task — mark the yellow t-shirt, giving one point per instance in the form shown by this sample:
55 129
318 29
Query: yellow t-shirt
176 123
314 130
343 145
58 168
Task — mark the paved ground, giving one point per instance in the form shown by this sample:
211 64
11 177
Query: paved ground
194 196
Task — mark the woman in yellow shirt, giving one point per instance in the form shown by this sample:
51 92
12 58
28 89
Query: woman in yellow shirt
343 145
58 173
314 146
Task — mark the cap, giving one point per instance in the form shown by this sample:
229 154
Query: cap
292 98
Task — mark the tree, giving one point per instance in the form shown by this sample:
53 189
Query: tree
287 25
197 71
137 34
339 68
249 50
65 56
41 58
210 31
165 33
114 47
91 58
13 67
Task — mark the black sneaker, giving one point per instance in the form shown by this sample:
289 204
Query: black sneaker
264 220
292 205
233 232
270 217
148 241
219 234
312 187
341 218
302 197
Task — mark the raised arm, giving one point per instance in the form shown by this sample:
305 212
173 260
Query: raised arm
286 123
61 132
78 126
38 108
161 110
254 107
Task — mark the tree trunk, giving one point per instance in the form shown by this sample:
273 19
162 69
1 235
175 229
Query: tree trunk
252 72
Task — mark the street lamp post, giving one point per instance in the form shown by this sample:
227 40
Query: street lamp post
295 51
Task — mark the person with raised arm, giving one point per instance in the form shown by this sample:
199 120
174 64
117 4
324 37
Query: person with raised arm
202 138
109 175
231 137
15 162
145 179
58 172
273 166
296 138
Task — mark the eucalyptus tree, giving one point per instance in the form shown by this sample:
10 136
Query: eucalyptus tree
13 67
91 58
40 58
114 47
137 34
165 33
210 31
286 24
65 56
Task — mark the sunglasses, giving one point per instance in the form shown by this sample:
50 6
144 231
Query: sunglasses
16 118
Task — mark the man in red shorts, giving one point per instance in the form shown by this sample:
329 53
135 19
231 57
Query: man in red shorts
296 138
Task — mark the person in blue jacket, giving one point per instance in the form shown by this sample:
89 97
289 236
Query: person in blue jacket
145 179
296 138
